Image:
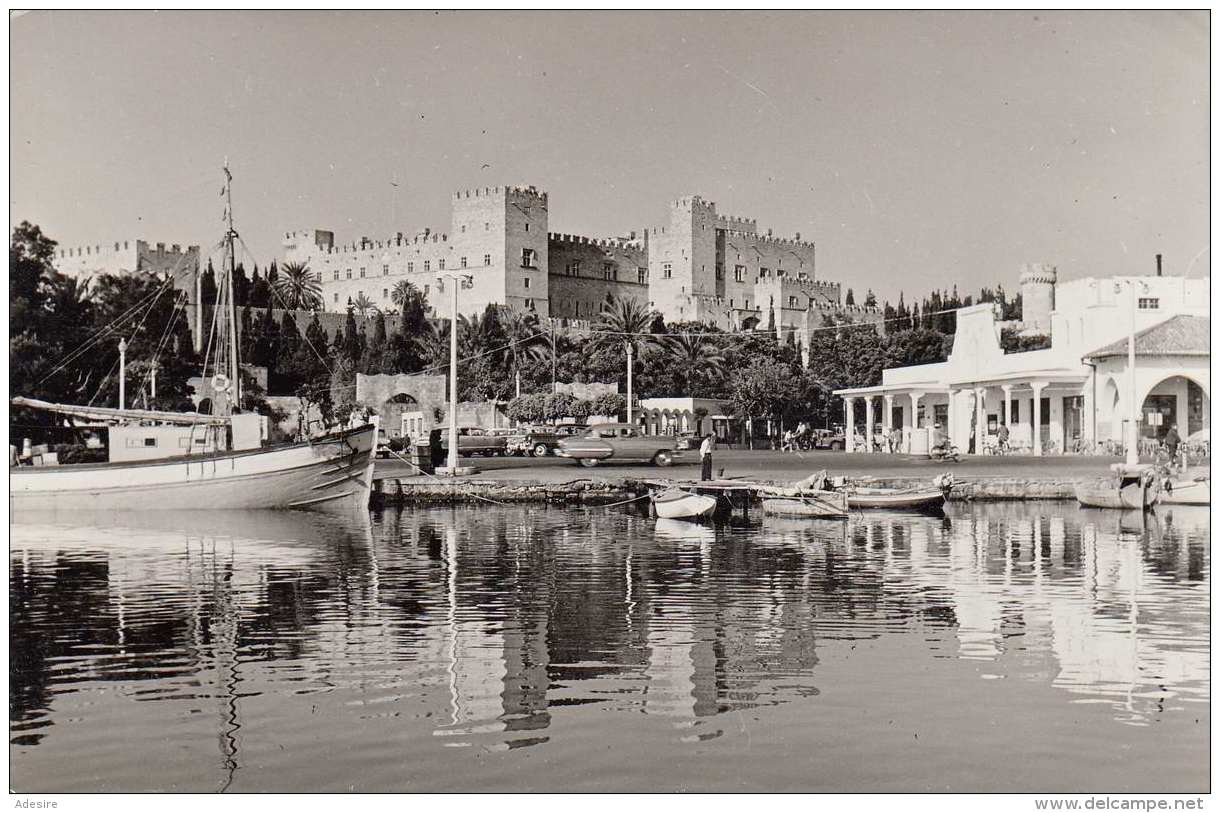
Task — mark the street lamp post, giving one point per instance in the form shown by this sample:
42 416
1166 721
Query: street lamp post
122 373
456 281
1133 455
630 364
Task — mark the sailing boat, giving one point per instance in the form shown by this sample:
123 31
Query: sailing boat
234 469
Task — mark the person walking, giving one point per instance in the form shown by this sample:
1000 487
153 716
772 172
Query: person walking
705 456
1172 441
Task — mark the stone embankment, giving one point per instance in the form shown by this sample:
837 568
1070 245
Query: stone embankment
434 491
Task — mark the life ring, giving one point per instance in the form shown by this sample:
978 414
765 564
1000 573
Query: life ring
220 382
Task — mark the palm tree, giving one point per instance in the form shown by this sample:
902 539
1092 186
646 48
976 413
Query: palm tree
402 291
363 306
625 321
434 343
296 288
526 335
693 357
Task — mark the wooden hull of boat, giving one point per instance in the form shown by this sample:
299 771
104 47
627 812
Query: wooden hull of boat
334 469
825 504
683 506
1130 497
1188 492
932 499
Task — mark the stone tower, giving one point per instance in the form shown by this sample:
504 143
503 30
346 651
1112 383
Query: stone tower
682 259
499 238
1037 297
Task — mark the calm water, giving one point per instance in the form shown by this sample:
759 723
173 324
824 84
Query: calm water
1013 647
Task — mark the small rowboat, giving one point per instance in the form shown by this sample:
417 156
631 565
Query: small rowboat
1187 492
814 504
674 503
1132 487
897 499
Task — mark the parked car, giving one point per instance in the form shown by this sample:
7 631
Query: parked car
538 441
473 440
834 439
621 442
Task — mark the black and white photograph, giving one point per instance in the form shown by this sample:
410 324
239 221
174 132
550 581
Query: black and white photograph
610 402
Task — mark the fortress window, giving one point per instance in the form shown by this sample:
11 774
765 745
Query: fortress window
606 269
385 269
527 282
731 304
336 296
124 245
1149 303
349 273
385 293
527 258
463 262
574 268
116 246
427 266
762 272
527 227
410 268
361 273
440 265
317 277
667 270
642 273
529 303
336 273
792 302
739 273
463 228
486 259
486 227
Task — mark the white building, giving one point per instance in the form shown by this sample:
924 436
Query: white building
1071 396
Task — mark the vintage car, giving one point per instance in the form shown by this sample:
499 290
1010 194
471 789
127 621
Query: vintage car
473 440
621 442
538 441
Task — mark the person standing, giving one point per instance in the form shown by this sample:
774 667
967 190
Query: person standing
705 456
1002 439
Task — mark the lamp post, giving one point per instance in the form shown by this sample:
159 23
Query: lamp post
122 373
1133 435
630 364
457 281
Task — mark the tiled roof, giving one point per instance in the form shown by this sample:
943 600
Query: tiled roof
1179 336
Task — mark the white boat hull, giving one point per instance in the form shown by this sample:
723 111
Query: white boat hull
334 469
1188 492
683 505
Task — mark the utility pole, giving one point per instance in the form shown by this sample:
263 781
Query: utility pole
456 282
554 380
630 364
1133 455
122 373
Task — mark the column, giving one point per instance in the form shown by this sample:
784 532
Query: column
1035 429
849 417
868 423
1007 402
914 396
887 420
951 421
980 418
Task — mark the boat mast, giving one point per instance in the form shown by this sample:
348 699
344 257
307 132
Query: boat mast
230 236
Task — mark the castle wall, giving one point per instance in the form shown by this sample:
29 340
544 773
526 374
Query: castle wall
584 272
129 256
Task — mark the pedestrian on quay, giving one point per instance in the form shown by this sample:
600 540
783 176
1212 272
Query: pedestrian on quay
1172 441
705 456
1002 439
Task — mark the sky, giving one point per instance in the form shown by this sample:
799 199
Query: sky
918 150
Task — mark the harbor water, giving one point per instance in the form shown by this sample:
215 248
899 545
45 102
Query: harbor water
1002 647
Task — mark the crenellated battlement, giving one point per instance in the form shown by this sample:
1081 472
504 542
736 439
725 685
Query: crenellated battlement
770 240
118 247
529 192
740 225
599 242
397 241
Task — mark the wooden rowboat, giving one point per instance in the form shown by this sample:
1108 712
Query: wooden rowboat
1187 492
898 499
1132 487
674 503
814 504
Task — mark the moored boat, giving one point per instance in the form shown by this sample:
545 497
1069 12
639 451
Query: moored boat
674 503
1187 492
897 499
813 504
1132 487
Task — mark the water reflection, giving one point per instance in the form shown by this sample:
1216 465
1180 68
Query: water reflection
496 630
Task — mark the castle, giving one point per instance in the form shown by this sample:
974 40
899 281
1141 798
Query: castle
700 266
